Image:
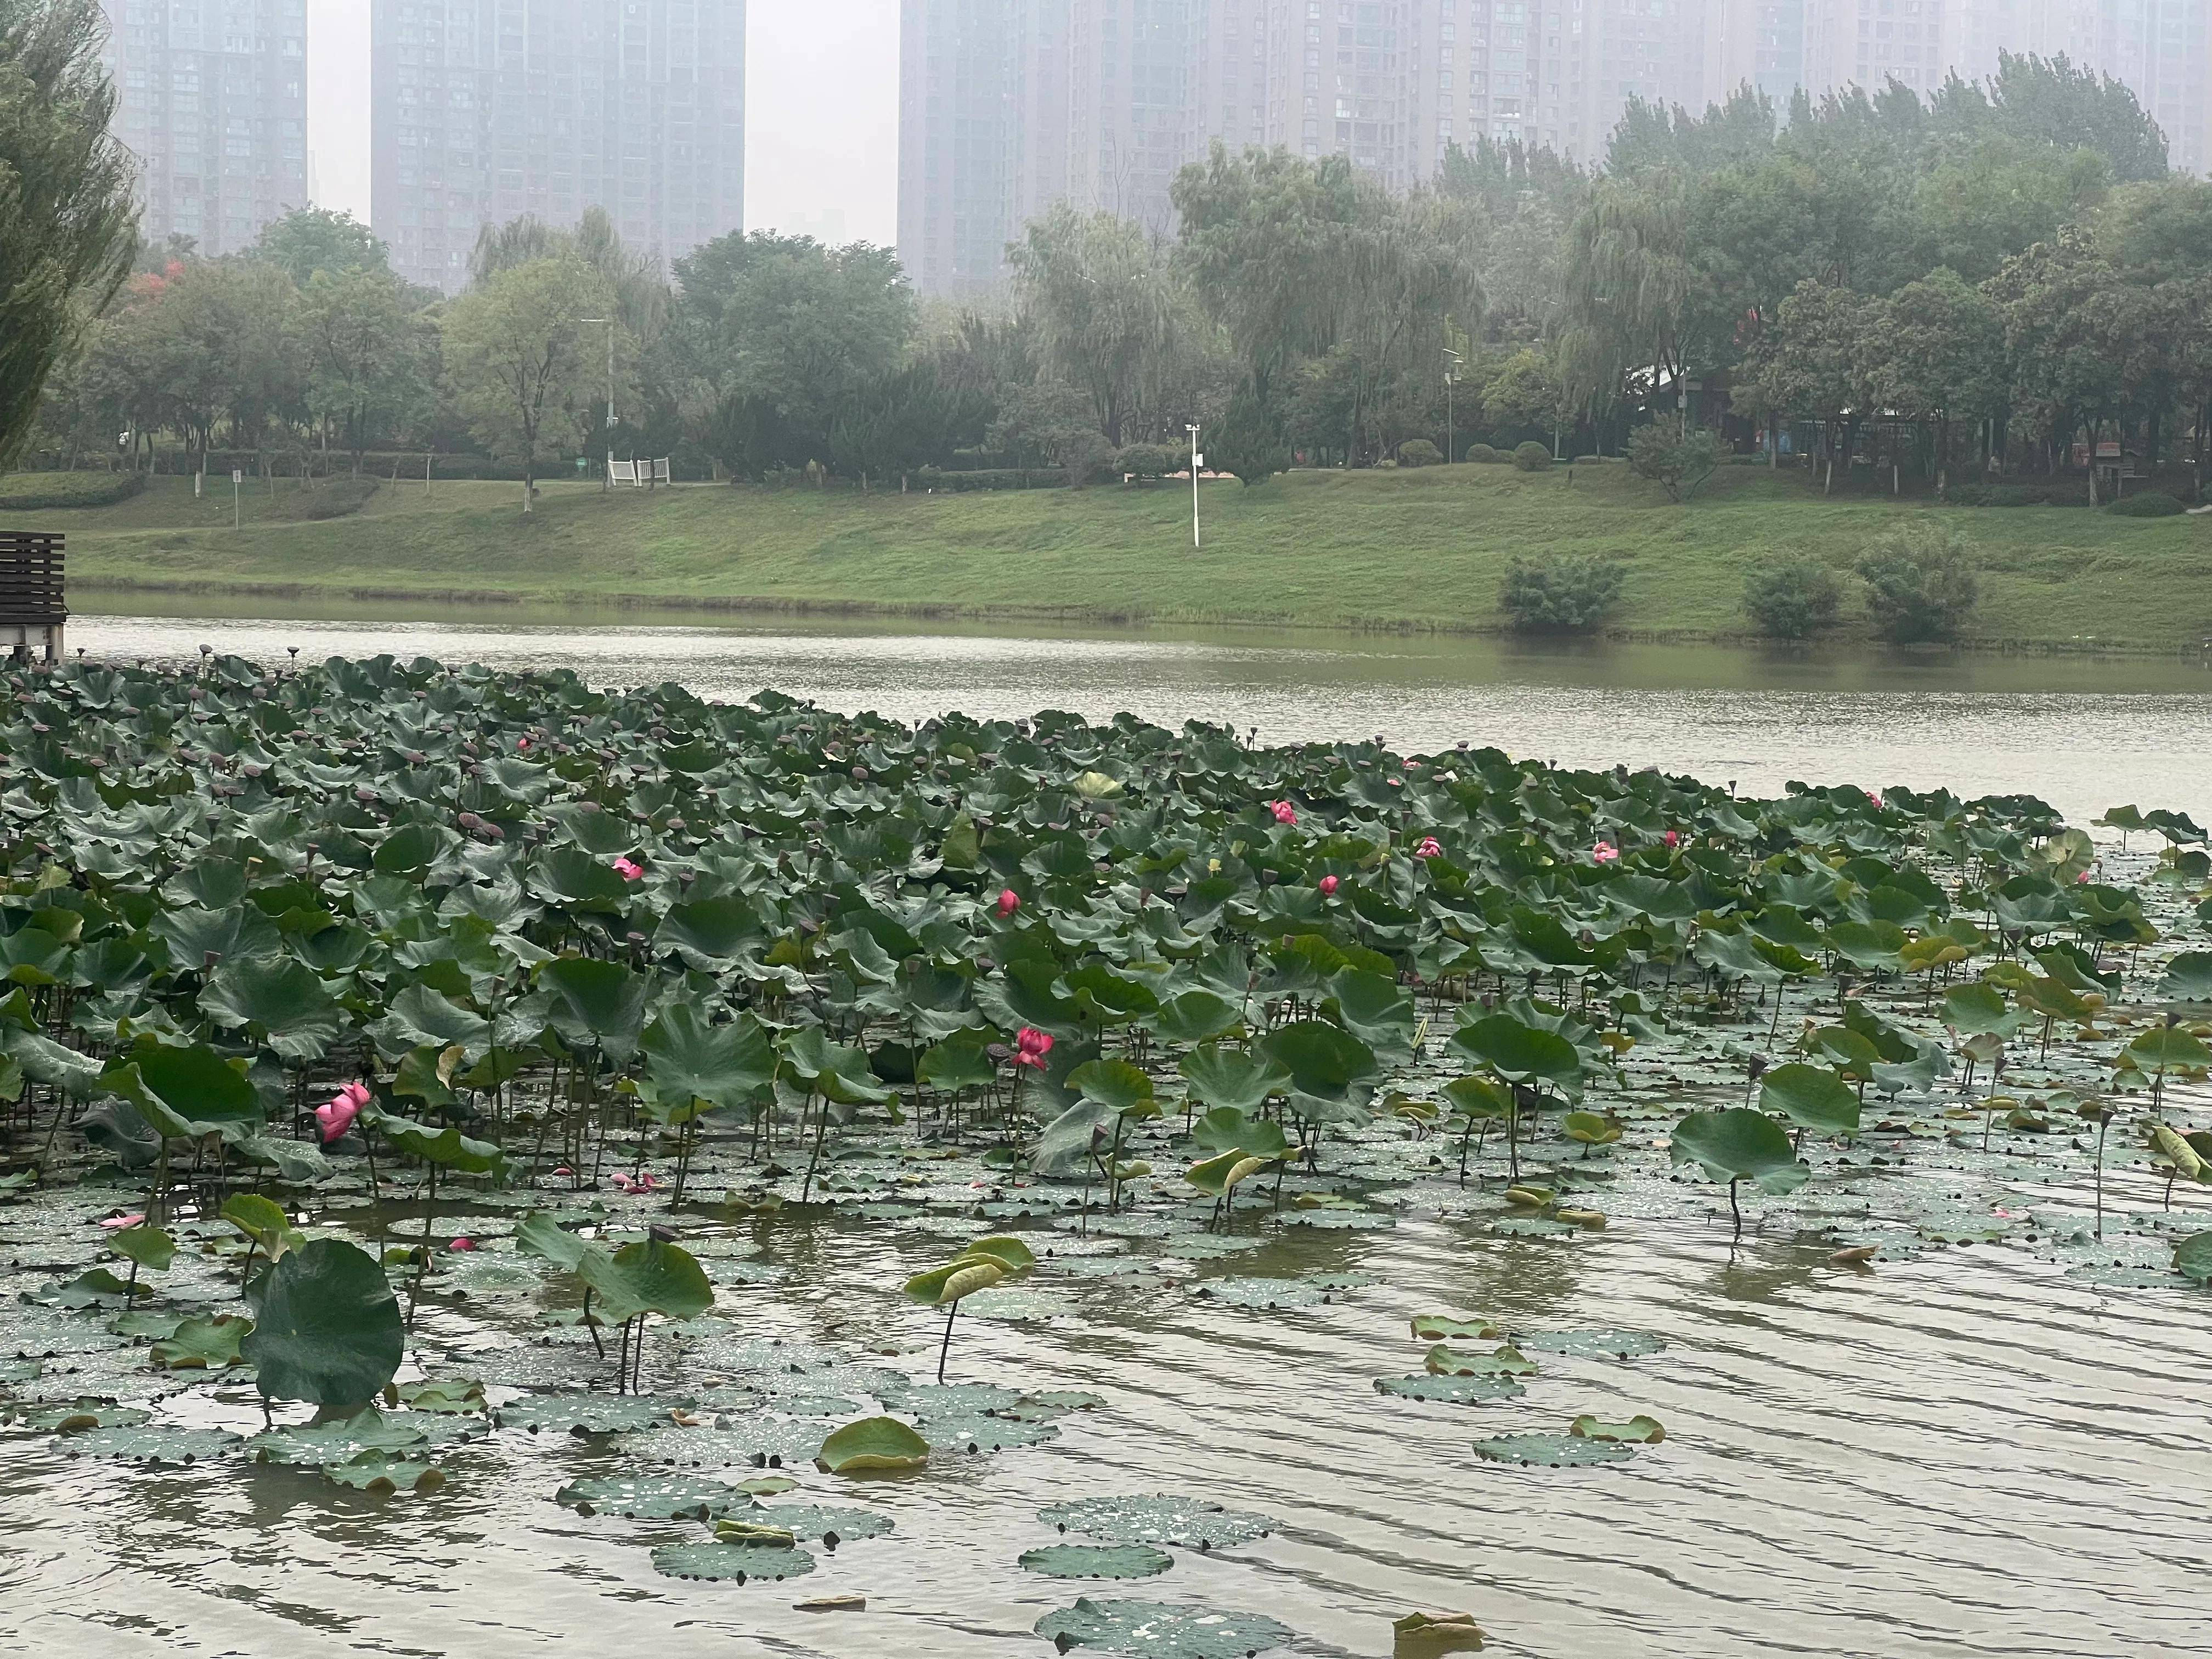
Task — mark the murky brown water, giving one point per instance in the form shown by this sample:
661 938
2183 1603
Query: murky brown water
2083 733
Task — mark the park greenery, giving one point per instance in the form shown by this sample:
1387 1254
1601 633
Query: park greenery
400 1060
1958 292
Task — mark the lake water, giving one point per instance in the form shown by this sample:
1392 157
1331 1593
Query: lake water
2084 734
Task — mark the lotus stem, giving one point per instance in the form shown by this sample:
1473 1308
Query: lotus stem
944 1349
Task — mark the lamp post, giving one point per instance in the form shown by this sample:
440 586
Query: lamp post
1197 460
1451 379
606 480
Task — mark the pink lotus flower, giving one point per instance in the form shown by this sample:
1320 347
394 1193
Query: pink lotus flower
1328 886
563 1169
117 1222
1429 849
345 1106
644 1183
2081 878
630 870
1284 811
462 1245
1009 902
1031 1046
1875 799
1674 838
1604 853
522 744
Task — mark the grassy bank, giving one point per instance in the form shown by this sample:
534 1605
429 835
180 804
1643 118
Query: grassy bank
1423 549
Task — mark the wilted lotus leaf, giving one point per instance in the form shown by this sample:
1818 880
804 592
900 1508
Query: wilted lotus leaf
753 1534
654 1497
1553 1451
1505 1361
1151 1630
1452 1390
380 1474
587 1414
150 1442
1426 1635
826 1521
1097 1561
1187 1523
1638 1430
873 1445
734 1563
1590 1344
448 1394
201 1344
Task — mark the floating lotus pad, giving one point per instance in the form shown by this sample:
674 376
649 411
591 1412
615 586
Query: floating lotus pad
1590 1344
382 1474
367 1430
1452 1390
1097 1561
1154 1630
84 1413
150 1442
587 1413
1636 1431
1186 1522
730 1563
1553 1451
1505 1361
873 1445
828 1522
654 1497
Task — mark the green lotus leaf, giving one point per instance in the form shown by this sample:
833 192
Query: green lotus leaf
1978 1010
1185 1522
449 1147
1232 1079
337 1440
1113 1084
539 1234
1589 1345
873 1445
754 1534
327 1327
1505 1361
585 1413
1152 1630
2193 1258
202 1343
1196 1017
1453 1328
1739 1144
150 1442
185 1093
282 1003
654 1497
648 1277
1452 1390
148 1246
2188 978
826 1524
1521 1054
1590 1128
84 1413
381 1474
2168 1048
690 1059
1811 1097
1553 1451
597 1005
263 1221
1325 1062
730 1563
1096 1561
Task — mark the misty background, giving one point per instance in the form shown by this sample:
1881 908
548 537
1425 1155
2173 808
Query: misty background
821 114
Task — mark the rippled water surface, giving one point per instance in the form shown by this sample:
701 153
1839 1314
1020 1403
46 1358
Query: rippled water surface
2083 733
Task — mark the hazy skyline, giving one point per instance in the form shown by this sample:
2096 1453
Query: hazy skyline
821 114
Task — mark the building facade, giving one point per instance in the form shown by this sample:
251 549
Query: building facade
212 100
483 109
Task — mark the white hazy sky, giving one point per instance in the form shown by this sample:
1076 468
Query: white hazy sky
821 114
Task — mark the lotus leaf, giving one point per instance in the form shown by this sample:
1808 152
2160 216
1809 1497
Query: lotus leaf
1553 1451
380 1474
150 1442
1097 1561
327 1328
1151 1630
826 1522
873 1445
1453 1390
734 1563
1639 1431
1185 1522
201 1344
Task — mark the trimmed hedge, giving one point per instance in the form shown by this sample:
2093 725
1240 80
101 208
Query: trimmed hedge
1418 452
1531 457
2151 504
37 492
997 478
1483 455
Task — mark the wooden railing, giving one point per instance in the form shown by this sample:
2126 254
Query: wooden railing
31 577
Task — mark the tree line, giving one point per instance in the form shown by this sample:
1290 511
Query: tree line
2000 271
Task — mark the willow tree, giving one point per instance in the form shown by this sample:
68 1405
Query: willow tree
1633 289
1109 315
68 230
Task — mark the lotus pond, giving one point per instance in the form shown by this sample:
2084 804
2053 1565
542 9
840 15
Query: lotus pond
491 1163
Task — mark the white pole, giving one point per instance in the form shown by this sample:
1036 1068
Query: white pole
1194 486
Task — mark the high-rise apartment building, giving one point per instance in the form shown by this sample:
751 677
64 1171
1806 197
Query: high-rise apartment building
483 110
212 99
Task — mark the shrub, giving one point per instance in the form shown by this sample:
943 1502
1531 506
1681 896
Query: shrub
1418 452
1149 460
1590 460
2151 504
1677 463
328 498
36 492
2008 495
1563 596
1793 597
1531 457
1920 585
994 477
1483 455
1249 444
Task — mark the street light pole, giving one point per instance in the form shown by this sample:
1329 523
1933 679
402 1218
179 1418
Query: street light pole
1451 379
606 479
1197 460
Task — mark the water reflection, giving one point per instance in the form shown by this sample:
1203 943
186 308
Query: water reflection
2085 734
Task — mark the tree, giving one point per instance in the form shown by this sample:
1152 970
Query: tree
311 239
371 359
1978 208
913 417
1819 361
1632 302
1677 461
68 230
1104 305
1523 393
2050 100
1248 442
781 337
519 363
1049 423
1941 357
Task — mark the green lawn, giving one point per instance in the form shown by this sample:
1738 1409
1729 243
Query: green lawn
1423 549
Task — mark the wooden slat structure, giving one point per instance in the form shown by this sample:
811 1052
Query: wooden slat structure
33 604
